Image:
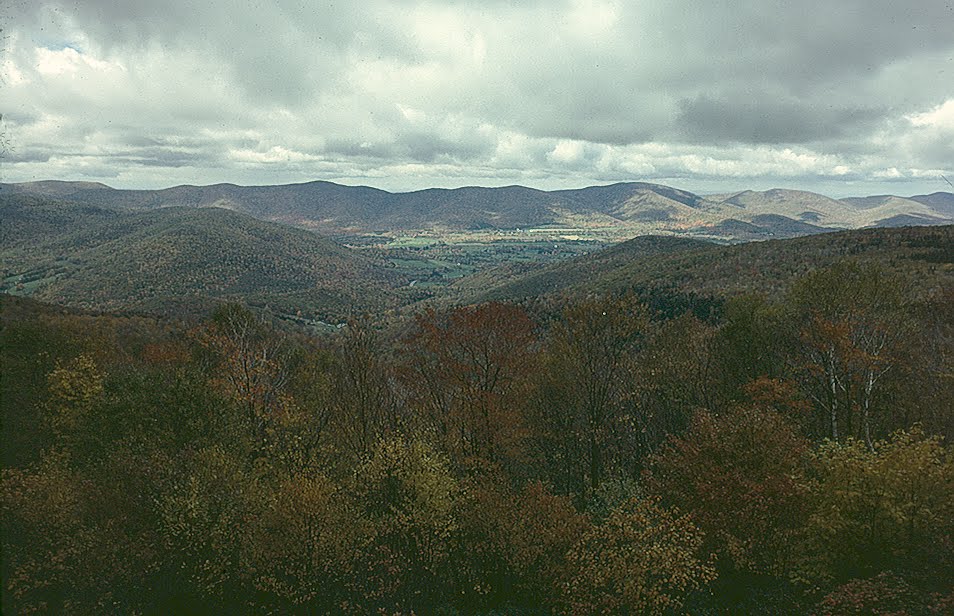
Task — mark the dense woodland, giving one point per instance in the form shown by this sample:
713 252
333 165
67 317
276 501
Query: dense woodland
787 453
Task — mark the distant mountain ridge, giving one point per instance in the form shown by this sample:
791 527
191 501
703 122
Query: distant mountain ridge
635 208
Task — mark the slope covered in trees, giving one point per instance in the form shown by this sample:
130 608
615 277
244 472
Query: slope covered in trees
637 207
922 254
181 259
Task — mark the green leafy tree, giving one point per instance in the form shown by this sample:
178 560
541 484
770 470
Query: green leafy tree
674 376
748 346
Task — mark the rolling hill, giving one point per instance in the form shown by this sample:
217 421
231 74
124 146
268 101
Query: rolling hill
672 265
183 258
626 209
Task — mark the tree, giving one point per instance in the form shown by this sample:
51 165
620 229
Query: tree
886 509
74 388
300 551
64 549
674 376
201 508
851 322
406 497
747 345
511 545
364 408
741 476
642 559
581 406
467 372
248 361
885 594
931 381
299 433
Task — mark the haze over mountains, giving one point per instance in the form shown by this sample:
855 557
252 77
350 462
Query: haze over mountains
616 211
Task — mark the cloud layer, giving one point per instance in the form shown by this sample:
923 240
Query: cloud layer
844 96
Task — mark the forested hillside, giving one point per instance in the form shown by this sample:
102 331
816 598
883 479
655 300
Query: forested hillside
924 256
477 308
788 452
183 260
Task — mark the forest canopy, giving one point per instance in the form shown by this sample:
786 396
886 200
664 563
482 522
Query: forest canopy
782 454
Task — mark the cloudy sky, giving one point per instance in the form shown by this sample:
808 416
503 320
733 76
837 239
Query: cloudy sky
839 96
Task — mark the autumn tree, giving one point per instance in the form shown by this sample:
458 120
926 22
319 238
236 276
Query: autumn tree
850 322
644 559
467 373
74 388
886 509
885 594
511 545
741 475
65 548
362 400
249 361
405 496
202 505
581 410
673 376
299 434
299 552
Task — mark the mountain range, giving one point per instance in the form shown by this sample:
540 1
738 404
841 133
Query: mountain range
623 210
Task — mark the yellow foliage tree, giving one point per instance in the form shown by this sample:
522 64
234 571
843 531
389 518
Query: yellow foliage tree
644 559
74 387
887 509
406 495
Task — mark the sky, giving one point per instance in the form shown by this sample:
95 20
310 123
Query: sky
843 97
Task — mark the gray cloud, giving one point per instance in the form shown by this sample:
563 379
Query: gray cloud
410 93
769 120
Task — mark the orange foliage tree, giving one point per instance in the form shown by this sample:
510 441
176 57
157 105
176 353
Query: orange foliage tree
467 372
